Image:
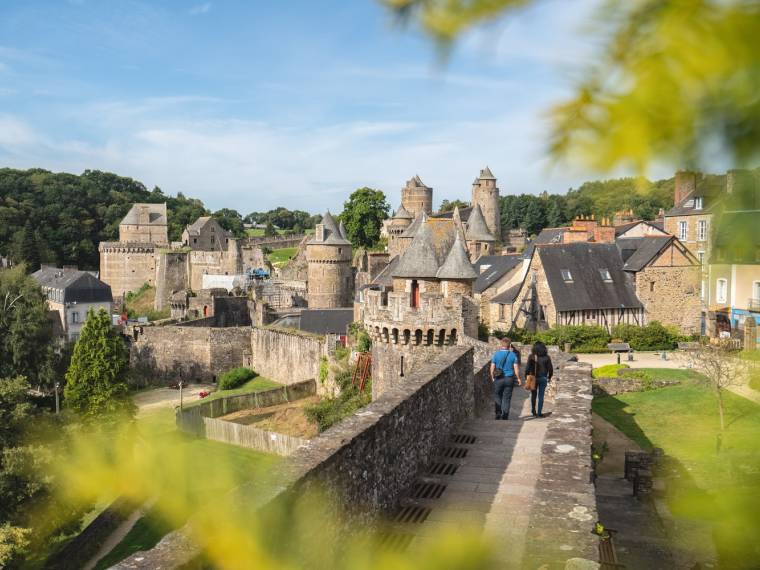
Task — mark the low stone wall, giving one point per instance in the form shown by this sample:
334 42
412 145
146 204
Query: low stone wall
286 356
564 512
623 384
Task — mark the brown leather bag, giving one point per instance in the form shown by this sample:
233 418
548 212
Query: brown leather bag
530 382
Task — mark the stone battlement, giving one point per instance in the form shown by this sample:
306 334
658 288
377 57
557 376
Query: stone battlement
128 246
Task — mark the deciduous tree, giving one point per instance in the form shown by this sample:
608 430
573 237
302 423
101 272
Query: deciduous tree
363 214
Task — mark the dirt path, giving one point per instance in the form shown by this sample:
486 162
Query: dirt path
148 400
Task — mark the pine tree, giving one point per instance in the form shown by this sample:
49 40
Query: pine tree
96 382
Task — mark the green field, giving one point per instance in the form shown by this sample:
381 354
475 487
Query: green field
280 257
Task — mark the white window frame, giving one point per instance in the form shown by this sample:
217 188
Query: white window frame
718 297
701 257
756 290
683 230
702 287
568 278
701 230
606 275
698 203
75 317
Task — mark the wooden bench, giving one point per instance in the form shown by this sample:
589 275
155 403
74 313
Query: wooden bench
608 559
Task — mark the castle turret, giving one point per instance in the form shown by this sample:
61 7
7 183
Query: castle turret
485 194
457 273
330 278
416 197
396 226
480 240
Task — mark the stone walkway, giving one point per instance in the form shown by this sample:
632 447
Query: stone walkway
496 465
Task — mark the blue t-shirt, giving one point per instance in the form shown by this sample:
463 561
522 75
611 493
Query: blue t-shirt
505 359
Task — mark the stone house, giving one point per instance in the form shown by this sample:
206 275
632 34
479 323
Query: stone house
205 234
71 294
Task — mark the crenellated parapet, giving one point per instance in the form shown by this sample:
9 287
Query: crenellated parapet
127 247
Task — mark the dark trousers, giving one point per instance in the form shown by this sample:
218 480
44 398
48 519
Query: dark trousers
538 394
502 395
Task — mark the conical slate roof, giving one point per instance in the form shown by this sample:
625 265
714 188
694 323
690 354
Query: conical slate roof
486 174
333 234
342 230
477 230
402 214
419 259
457 264
329 222
411 231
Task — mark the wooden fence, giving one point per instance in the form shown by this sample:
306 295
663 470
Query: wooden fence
200 419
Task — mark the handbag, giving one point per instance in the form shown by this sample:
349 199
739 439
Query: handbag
530 382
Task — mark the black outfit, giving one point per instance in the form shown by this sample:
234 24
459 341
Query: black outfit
541 367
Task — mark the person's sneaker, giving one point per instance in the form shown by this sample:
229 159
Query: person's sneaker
533 413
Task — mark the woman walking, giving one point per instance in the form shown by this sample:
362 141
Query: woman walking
540 366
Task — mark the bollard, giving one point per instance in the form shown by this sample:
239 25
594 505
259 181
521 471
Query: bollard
664 355
630 356
618 357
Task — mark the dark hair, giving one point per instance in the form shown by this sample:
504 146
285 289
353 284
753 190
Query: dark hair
539 349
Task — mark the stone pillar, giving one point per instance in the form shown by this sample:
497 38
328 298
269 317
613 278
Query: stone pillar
750 333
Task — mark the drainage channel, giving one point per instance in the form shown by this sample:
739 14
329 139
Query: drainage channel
430 486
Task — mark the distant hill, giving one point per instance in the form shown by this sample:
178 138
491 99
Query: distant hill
60 218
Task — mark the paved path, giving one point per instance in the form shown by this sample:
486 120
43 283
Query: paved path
493 486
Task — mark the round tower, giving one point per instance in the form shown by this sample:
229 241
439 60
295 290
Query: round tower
416 197
485 193
330 277
396 226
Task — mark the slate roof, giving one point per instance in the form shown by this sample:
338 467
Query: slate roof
419 260
332 232
195 228
499 266
464 213
326 321
709 188
385 277
457 265
477 230
486 174
411 231
507 297
546 235
622 228
402 214
587 290
638 252
156 215
76 286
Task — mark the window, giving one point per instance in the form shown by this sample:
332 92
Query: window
502 312
683 229
415 297
567 277
651 286
605 273
701 257
195 240
75 317
702 288
698 202
721 288
701 230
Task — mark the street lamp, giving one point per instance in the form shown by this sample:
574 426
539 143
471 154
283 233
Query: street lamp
57 407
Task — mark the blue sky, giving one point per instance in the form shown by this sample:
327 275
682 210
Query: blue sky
251 105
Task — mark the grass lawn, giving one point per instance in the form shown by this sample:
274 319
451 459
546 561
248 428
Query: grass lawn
281 256
258 384
141 303
683 420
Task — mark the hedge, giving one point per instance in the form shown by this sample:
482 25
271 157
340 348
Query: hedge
235 378
653 336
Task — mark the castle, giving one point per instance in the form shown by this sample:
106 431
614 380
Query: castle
144 254
422 301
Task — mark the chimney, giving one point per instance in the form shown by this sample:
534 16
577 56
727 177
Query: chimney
686 183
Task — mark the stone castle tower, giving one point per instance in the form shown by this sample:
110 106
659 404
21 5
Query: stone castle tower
416 197
330 277
485 194
396 227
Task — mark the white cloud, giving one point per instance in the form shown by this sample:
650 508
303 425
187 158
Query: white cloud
200 9
15 134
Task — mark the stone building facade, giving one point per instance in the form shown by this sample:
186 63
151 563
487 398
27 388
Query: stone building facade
330 278
416 197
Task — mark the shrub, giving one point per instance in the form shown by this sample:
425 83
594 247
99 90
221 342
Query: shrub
330 411
235 378
582 338
653 336
608 371
363 342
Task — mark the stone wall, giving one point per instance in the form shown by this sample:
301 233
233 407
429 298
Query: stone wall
171 276
671 295
286 356
127 266
564 510
191 353
536 271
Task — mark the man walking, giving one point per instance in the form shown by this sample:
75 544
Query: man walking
505 372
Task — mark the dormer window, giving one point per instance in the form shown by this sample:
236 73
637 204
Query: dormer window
606 277
483 268
698 203
567 277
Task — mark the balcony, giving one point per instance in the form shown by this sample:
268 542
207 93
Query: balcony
753 305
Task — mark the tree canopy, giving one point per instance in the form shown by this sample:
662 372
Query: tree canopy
96 382
230 220
448 205
363 214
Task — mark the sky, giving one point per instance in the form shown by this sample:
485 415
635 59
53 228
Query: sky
255 104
